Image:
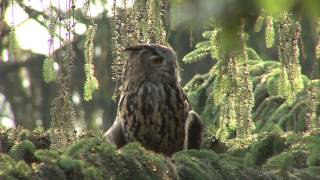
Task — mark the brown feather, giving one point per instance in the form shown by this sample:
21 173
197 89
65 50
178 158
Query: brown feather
153 108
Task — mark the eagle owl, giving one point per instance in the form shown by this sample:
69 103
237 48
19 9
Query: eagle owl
153 108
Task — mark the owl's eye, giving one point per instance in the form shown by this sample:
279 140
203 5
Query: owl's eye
156 60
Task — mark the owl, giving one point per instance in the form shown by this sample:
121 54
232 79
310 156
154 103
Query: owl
153 108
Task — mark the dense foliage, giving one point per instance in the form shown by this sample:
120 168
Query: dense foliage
261 116
283 146
25 155
271 109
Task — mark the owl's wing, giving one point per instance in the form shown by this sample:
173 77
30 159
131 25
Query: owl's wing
193 130
115 134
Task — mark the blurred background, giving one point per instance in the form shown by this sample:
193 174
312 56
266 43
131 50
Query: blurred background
25 99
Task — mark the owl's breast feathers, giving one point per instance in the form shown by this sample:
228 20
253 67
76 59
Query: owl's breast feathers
153 109
155 114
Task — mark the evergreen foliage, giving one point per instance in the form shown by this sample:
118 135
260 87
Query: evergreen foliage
91 83
49 74
62 111
232 87
232 72
269 33
265 114
289 32
265 156
270 154
271 109
143 23
259 21
23 151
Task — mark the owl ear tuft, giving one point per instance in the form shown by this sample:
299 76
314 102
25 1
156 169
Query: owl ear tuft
133 48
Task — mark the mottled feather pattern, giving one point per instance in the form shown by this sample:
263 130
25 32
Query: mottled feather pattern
154 115
153 109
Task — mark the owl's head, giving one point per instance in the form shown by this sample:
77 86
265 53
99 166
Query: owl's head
151 61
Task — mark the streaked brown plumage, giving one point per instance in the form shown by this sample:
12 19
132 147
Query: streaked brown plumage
153 109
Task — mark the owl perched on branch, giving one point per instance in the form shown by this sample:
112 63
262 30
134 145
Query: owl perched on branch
153 108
